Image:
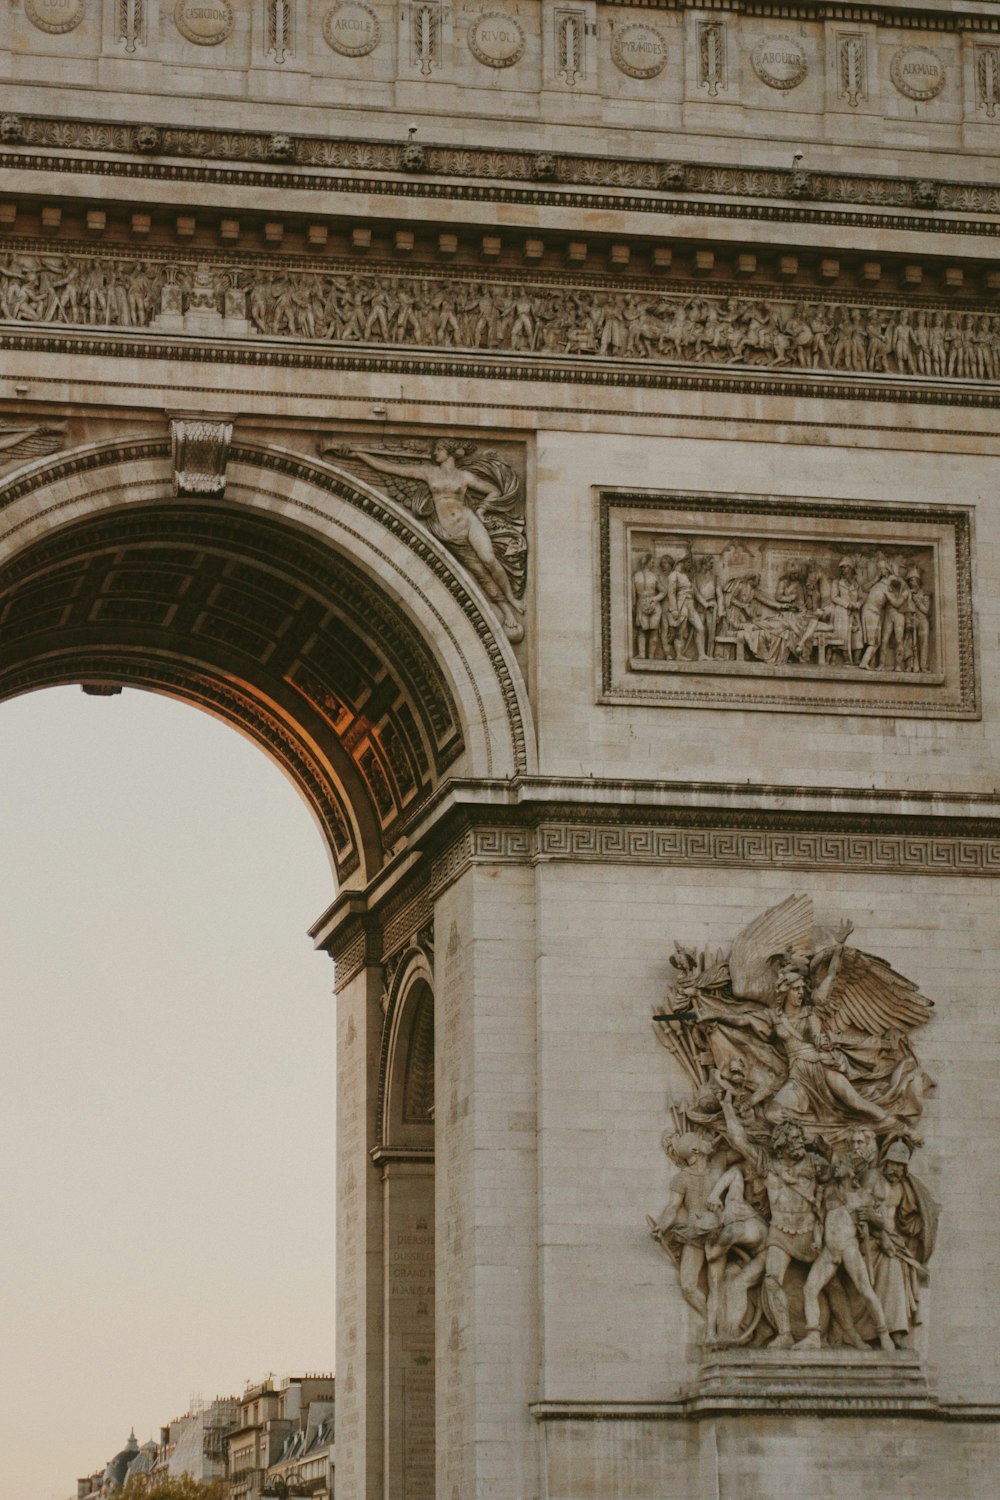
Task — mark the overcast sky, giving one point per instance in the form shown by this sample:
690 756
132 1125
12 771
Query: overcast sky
166 1077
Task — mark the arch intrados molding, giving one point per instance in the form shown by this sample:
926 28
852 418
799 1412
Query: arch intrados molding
326 788
273 551
400 557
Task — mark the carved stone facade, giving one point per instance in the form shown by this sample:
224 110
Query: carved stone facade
565 439
643 323
805 605
794 1218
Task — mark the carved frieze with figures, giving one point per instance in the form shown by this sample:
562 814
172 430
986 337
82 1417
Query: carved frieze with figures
776 604
583 320
795 1218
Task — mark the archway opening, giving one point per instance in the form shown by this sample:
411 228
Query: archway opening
325 624
167 1075
257 623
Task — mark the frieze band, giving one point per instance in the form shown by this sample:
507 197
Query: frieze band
640 322
497 164
703 841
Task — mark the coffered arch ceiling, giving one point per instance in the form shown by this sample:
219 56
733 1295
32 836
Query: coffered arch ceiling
290 609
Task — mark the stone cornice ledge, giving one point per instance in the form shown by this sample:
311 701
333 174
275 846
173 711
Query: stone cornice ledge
689 1409
541 820
493 173
546 794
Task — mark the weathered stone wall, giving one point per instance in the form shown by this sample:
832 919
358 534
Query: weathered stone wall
616 1327
671 270
544 71
895 753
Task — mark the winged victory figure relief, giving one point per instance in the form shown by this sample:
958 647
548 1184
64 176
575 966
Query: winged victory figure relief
20 442
794 1218
469 500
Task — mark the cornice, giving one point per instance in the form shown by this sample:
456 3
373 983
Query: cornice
974 18
504 175
539 821
686 1409
467 366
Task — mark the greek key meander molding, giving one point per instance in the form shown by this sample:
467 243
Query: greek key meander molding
495 165
845 844
595 329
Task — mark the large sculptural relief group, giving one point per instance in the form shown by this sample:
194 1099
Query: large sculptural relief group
376 307
868 611
793 1216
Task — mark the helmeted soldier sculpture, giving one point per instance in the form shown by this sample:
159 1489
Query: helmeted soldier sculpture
793 1218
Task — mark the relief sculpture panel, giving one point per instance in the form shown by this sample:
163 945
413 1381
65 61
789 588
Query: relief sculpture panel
579 321
472 498
794 1217
786 605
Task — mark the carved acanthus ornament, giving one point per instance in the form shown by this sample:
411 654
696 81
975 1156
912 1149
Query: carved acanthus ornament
492 164
794 1218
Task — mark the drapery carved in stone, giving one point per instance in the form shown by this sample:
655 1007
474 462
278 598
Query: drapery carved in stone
640 321
844 606
469 497
794 1218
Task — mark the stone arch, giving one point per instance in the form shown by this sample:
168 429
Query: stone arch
306 609
405 1155
406 1071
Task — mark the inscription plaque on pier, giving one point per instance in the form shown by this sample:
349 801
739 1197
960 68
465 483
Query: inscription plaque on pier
639 50
55 16
918 73
780 61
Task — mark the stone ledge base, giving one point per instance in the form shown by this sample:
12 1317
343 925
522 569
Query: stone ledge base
821 1380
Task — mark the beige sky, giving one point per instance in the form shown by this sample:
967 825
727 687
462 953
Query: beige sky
166 1077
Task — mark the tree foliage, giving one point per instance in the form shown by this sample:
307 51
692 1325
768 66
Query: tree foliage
155 1487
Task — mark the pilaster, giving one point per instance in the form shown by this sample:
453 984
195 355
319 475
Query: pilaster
488 1315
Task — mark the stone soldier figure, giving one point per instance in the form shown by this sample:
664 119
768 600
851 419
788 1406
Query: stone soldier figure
791 1175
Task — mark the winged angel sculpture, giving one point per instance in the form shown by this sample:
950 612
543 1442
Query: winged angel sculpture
471 502
793 1217
20 442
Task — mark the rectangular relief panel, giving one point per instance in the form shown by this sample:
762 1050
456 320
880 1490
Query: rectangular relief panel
738 601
